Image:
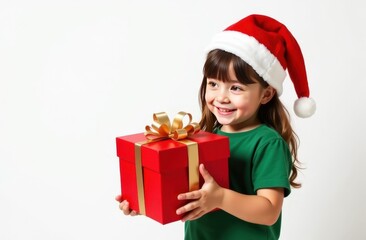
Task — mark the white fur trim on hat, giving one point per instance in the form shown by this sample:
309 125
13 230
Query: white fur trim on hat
252 52
304 107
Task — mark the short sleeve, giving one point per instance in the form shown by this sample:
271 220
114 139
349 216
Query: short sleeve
272 166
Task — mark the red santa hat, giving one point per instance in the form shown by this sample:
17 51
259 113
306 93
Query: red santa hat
270 48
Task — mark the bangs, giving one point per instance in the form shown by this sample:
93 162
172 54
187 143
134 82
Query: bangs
218 64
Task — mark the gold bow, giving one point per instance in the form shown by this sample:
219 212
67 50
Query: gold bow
162 128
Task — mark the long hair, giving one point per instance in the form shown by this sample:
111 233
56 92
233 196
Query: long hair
273 113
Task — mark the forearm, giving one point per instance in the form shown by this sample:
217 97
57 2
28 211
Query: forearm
260 209
263 208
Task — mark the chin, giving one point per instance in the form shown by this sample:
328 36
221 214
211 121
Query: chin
223 121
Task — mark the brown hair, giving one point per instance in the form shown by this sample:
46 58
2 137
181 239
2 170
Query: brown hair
273 113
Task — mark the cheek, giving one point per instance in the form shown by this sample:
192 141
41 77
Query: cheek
241 103
209 97
209 101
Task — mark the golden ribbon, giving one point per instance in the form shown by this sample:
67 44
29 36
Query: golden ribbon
162 129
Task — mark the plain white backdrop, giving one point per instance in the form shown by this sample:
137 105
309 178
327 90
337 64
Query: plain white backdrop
76 74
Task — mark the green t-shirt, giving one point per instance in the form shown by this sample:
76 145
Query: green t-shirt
259 158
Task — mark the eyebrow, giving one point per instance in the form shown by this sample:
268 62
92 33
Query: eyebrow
233 81
230 80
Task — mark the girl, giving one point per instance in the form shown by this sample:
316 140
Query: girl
239 98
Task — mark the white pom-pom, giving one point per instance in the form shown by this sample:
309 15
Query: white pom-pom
304 107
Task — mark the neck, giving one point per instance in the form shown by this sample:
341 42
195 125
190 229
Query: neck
242 127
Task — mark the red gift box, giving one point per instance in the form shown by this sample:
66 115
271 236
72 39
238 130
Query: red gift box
165 171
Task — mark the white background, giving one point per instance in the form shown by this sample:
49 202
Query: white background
74 74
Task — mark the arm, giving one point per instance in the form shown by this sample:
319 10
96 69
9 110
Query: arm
263 208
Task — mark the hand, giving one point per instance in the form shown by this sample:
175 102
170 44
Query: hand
125 206
204 200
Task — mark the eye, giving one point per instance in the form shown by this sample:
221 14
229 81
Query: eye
211 83
237 88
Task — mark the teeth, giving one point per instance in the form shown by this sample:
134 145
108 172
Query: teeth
224 110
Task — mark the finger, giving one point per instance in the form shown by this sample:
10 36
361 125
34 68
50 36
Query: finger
200 214
125 207
133 213
193 215
205 174
190 195
118 198
187 208
122 205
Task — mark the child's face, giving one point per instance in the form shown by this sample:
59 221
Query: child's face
234 104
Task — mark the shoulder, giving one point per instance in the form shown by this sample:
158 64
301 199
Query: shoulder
265 132
265 129
268 137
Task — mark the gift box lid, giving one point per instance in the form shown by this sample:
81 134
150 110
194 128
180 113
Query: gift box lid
167 155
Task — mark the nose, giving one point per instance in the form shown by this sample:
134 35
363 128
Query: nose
222 97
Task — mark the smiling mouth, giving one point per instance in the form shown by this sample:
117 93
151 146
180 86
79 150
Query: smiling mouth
225 110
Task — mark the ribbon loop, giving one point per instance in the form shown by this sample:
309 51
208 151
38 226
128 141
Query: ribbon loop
162 128
162 118
180 134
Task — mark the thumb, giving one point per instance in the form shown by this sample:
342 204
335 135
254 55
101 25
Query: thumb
205 174
119 198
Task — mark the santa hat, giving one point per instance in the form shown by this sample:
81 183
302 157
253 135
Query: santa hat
269 47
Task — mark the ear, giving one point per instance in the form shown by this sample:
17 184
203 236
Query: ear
268 93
